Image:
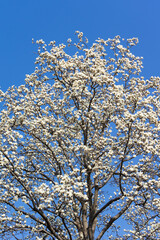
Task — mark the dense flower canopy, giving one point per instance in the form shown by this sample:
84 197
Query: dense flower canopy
80 146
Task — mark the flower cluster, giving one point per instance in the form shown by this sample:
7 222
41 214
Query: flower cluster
80 145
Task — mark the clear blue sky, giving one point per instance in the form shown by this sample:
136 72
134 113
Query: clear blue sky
22 20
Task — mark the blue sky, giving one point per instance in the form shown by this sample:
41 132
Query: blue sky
21 20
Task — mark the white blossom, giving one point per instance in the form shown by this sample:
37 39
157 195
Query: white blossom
80 146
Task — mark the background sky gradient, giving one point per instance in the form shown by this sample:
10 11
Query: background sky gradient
21 20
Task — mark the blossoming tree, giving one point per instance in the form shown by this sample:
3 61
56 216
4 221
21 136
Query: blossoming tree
80 146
